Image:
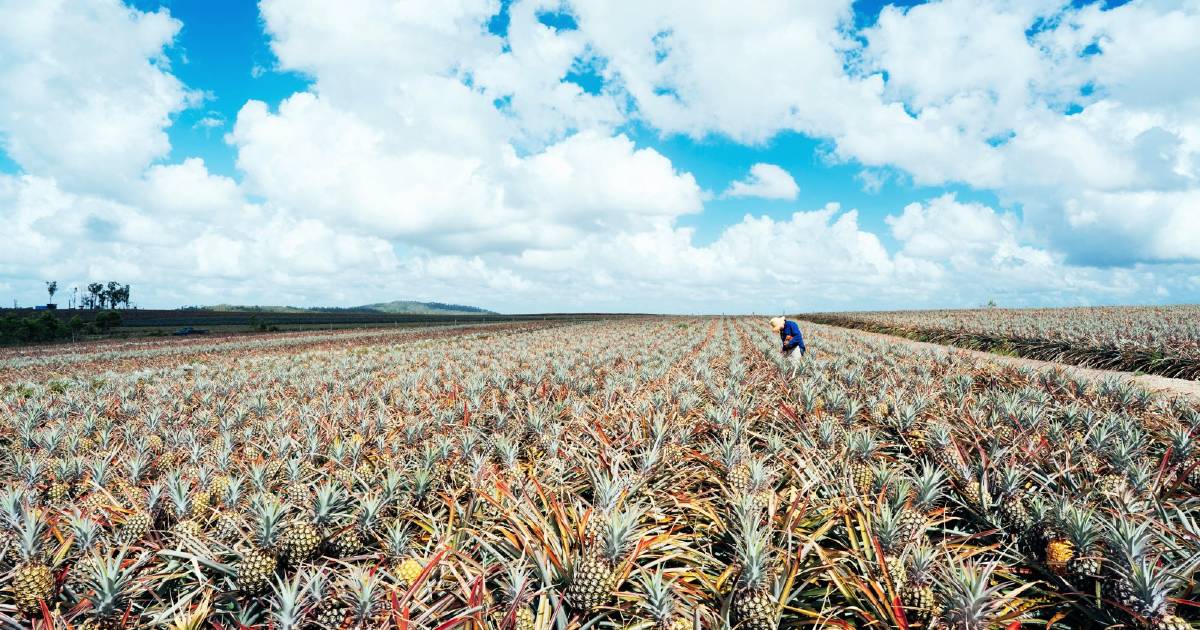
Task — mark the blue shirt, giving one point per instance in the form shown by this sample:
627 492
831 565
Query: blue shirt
791 329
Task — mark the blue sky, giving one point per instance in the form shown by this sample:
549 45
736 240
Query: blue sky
545 155
223 51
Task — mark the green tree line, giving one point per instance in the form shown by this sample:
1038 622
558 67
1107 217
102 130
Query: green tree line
46 327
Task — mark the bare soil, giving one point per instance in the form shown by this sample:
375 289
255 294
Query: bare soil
1159 384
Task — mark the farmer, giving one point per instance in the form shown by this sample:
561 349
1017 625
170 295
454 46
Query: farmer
789 334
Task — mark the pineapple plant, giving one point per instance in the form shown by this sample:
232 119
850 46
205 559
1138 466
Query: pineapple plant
737 470
515 612
86 534
915 515
350 539
593 571
364 595
1044 527
1150 587
397 541
660 603
288 603
1010 490
257 565
939 443
861 448
887 530
753 602
329 609
179 491
917 594
109 582
976 494
305 534
607 489
1081 531
760 487
228 523
971 598
1126 543
32 582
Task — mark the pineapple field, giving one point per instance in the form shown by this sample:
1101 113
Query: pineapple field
640 473
1162 340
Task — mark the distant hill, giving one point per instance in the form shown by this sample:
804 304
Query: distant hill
408 307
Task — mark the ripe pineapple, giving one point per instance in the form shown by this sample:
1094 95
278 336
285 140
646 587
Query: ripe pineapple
408 571
31 582
976 495
198 511
862 447
188 528
1111 484
592 572
737 476
59 492
257 566
1059 552
917 594
218 486
753 605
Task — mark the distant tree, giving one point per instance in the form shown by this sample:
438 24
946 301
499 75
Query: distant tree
76 325
125 295
991 304
97 291
113 291
52 288
107 320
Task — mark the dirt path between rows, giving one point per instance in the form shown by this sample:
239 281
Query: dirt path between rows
1160 384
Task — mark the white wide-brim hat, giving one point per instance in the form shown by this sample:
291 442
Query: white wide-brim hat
777 323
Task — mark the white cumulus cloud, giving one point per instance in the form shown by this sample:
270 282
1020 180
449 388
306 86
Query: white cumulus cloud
84 91
765 181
